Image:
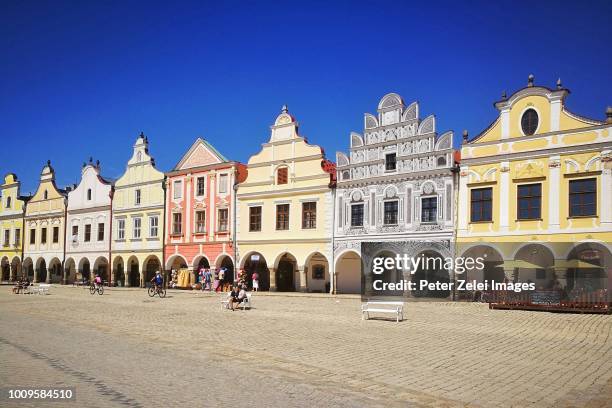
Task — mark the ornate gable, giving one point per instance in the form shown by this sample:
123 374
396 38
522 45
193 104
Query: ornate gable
200 154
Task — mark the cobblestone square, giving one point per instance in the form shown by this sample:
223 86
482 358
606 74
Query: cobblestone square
126 349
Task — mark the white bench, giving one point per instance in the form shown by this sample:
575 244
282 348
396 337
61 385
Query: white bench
248 302
379 306
43 289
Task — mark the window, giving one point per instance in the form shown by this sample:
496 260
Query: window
481 204
529 201
7 237
201 185
120 229
17 237
177 189
390 162
101 231
357 215
43 236
223 217
583 197
75 233
200 222
137 225
390 213
8 202
254 218
45 195
55 235
429 209
137 197
282 217
153 226
32 236
223 183
529 122
177 223
89 194
282 175
309 215
87 232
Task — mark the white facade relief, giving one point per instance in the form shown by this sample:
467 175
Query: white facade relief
397 182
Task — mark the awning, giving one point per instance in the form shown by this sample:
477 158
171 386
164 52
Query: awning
575 264
519 263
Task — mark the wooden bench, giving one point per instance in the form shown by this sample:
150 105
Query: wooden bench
248 302
43 289
379 306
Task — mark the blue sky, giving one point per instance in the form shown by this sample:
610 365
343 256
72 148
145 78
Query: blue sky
83 78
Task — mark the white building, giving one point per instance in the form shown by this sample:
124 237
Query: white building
396 184
88 226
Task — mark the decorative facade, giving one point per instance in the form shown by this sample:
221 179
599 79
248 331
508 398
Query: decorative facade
44 224
396 184
200 210
88 226
285 212
12 209
138 219
536 192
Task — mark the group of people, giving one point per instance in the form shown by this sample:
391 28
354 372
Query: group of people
212 279
22 284
236 296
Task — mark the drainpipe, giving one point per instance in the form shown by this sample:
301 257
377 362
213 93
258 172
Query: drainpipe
65 226
235 211
111 276
333 260
455 170
23 231
163 237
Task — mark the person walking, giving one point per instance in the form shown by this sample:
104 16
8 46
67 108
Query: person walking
255 282
221 279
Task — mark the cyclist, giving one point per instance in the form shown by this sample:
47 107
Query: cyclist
97 281
158 280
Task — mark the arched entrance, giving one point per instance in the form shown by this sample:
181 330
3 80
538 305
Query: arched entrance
255 262
538 267
348 273
16 268
431 270
389 275
285 273
317 273
591 272
227 263
41 271
84 274
70 270
28 269
55 271
151 266
492 260
6 269
133 278
101 268
119 272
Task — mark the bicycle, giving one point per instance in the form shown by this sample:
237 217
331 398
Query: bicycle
157 290
93 288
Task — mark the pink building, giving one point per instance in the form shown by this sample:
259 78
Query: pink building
200 200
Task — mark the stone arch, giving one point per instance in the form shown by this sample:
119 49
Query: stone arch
255 262
226 261
16 268
285 266
317 273
100 267
118 276
543 259
28 268
592 272
40 270
70 271
432 269
176 261
5 268
84 270
132 272
347 272
55 270
150 267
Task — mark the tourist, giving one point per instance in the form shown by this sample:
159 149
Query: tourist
221 279
216 277
255 282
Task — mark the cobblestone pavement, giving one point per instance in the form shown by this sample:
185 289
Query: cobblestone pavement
126 349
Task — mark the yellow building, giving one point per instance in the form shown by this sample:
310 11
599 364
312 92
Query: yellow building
44 224
535 193
138 219
11 228
284 212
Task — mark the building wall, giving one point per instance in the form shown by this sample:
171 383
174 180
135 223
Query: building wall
131 253
307 182
188 247
88 204
564 147
11 221
45 211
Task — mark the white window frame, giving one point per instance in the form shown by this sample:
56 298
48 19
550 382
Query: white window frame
153 226
177 193
136 229
121 229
